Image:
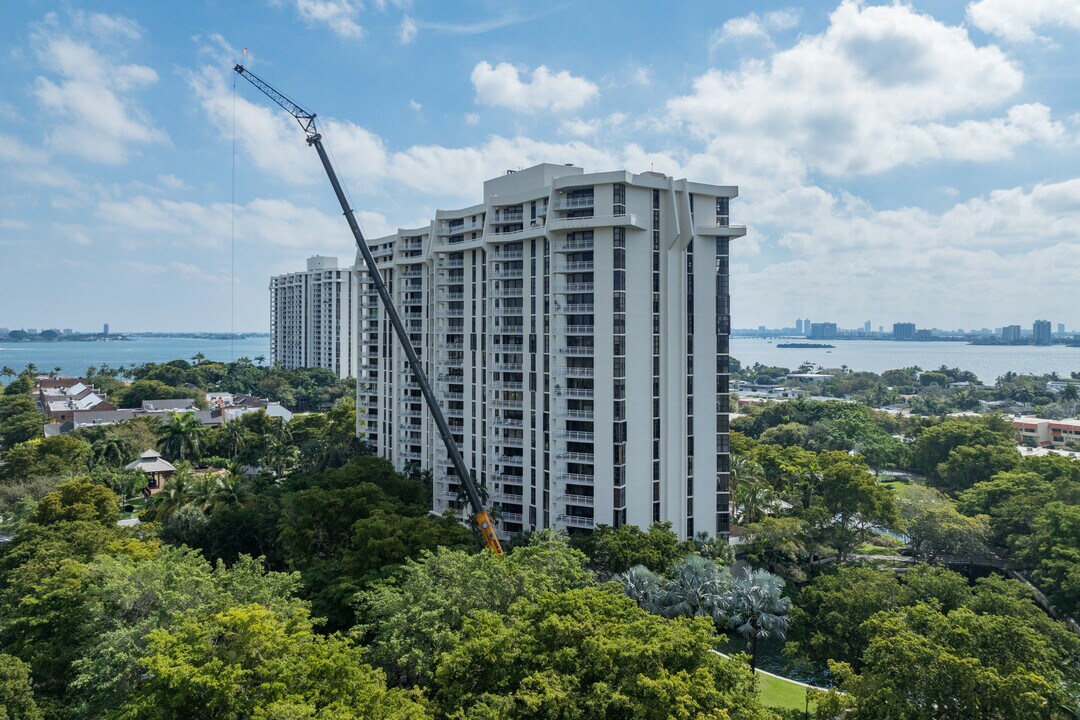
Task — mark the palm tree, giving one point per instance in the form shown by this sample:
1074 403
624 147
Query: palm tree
55 371
280 457
232 490
754 497
696 589
91 372
176 493
197 358
643 586
260 359
757 609
1070 393
182 438
31 369
233 435
808 479
7 372
111 451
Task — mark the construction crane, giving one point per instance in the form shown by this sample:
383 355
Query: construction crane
307 122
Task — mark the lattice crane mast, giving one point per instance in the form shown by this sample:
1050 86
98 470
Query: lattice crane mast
307 122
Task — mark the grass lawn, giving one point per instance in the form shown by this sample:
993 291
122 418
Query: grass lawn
780 693
894 484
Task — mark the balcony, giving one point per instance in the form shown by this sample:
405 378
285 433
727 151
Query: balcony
511 348
506 403
507 274
506 385
718 230
574 288
575 372
575 478
575 203
585 223
410 455
580 393
578 350
447 229
508 292
507 422
450 346
508 367
573 245
508 441
517 460
575 267
508 254
576 435
512 480
508 217
451 263
449 313
575 414
508 517
451 296
575 521
512 498
576 457
575 330
573 309
576 499
445 396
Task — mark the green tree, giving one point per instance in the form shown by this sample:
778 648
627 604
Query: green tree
408 624
757 609
245 662
612 551
779 545
140 390
16 693
935 527
183 437
78 500
933 445
590 653
967 465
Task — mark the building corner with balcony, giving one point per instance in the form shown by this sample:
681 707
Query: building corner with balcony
575 327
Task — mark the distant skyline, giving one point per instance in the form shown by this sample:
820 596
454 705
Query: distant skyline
916 161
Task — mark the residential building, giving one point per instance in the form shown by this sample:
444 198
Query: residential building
575 327
806 326
823 331
1040 330
1039 432
1061 329
313 320
60 398
1010 333
798 327
903 331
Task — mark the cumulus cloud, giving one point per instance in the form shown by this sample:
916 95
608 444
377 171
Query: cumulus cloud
91 94
407 31
338 15
755 27
879 88
502 86
1017 20
977 261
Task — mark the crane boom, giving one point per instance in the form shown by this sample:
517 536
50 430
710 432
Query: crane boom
307 121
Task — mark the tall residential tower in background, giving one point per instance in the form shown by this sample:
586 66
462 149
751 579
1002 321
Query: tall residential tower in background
314 317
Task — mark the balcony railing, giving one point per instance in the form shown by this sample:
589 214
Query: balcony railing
576 456
576 435
510 460
573 309
573 245
507 274
575 330
576 478
580 287
583 393
507 422
580 350
575 372
576 499
508 517
573 267
574 203
575 521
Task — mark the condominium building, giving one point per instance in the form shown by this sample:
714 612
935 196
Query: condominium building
1040 330
313 317
575 327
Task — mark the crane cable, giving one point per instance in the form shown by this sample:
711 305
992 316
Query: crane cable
232 235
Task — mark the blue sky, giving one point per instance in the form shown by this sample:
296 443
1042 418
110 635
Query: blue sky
911 161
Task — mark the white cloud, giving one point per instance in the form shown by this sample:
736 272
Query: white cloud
879 88
171 182
407 31
502 86
416 107
93 111
472 119
1003 255
755 27
338 15
1017 20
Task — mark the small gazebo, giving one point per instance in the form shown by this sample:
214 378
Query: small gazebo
158 470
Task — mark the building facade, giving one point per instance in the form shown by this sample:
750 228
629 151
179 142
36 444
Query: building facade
1040 330
313 317
575 327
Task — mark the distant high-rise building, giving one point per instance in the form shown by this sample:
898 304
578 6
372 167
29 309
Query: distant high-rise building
1010 333
798 326
105 329
1041 332
823 331
881 329
806 326
903 331
866 326
1061 328
31 331
314 317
